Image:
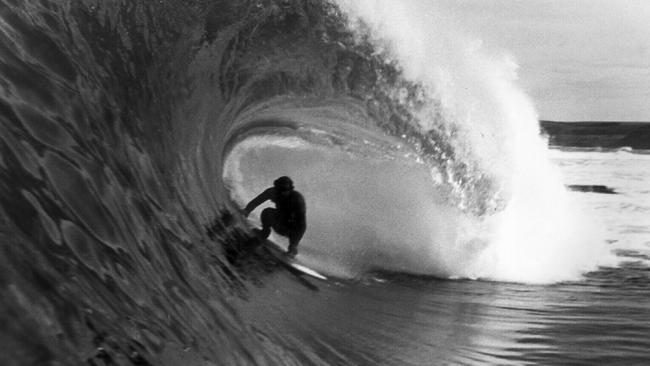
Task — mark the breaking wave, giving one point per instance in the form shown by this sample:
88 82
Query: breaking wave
128 127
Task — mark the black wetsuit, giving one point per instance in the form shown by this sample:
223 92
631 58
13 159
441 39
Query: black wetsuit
288 218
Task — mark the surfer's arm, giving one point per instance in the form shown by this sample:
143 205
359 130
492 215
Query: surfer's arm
263 197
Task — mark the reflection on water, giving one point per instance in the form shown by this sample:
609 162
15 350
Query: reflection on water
415 321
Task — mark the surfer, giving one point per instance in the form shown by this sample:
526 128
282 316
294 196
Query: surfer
288 216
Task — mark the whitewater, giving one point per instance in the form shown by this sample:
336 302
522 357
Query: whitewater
132 133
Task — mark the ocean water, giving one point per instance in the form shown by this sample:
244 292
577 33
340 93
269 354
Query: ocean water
132 132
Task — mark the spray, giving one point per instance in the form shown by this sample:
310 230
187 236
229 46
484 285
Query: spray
539 236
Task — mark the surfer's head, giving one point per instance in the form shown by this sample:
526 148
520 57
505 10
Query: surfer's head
283 185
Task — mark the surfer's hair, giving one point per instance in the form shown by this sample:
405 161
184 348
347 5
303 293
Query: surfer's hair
282 182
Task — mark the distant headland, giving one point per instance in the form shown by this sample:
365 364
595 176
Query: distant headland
598 134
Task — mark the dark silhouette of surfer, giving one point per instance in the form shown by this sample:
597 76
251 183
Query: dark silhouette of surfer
287 218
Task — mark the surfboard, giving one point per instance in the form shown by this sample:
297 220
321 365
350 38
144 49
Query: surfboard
294 263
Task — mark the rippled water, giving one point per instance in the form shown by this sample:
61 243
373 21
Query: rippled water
414 322
131 132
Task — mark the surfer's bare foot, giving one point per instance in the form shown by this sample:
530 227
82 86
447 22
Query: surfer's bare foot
292 253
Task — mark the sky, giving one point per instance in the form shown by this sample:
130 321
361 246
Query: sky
578 60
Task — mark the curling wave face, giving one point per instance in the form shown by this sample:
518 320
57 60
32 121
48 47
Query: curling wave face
126 126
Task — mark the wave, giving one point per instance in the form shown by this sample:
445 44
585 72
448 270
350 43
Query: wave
127 127
478 164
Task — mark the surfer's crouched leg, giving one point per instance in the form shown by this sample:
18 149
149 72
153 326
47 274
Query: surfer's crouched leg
269 218
294 239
